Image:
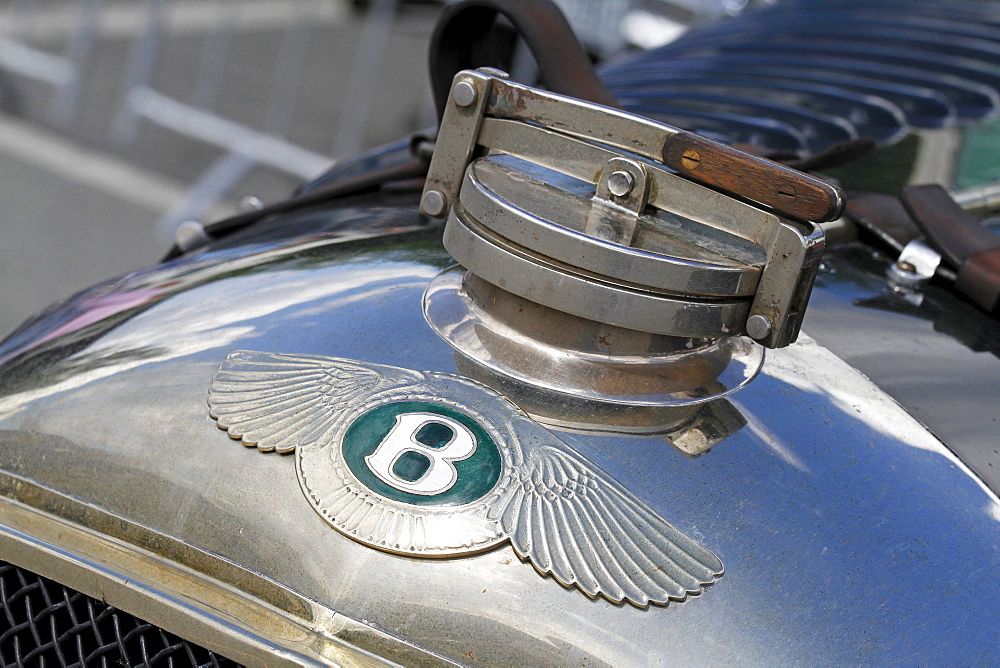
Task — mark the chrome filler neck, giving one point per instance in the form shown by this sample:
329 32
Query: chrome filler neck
609 257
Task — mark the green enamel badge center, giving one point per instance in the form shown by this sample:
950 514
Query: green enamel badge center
422 453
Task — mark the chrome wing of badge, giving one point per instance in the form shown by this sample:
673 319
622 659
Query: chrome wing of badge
432 464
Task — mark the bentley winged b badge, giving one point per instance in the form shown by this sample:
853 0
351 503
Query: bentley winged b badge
435 465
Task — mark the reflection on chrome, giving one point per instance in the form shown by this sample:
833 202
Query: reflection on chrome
211 319
585 359
693 429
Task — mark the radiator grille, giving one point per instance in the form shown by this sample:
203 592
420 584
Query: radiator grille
46 624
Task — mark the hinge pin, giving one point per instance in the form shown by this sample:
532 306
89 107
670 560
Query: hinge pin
620 183
432 203
464 94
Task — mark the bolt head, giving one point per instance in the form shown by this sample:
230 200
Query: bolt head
464 94
904 275
249 204
190 235
758 327
432 203
620 183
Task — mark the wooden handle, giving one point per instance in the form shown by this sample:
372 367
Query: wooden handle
785 190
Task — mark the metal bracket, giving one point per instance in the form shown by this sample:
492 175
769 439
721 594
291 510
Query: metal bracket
916 265
621 196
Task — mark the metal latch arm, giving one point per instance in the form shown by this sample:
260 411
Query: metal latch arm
787 191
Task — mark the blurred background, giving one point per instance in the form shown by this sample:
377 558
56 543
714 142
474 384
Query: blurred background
121 119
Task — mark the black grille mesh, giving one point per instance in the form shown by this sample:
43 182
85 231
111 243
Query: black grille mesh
44 624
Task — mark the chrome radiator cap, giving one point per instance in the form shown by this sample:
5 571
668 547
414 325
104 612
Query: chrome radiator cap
601 245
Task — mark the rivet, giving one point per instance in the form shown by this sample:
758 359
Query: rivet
758 327
433 203
464 94
620 183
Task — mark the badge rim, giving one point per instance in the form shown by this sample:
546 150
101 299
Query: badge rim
314 462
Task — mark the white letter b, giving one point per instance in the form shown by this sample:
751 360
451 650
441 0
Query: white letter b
440 475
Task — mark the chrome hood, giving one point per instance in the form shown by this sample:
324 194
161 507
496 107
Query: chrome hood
847 530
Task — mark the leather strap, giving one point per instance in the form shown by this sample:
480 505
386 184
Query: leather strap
467 37
966 244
